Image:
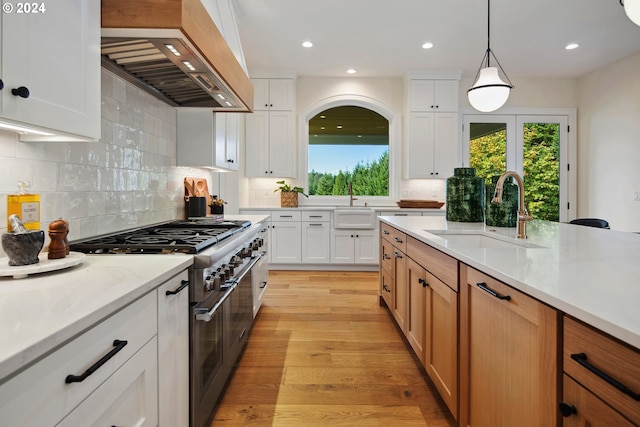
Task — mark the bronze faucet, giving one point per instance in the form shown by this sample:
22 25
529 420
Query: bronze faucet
351 198
523 212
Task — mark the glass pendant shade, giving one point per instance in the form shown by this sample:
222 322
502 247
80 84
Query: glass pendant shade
489 92
632 9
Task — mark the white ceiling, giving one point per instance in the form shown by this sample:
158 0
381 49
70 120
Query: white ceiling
381 38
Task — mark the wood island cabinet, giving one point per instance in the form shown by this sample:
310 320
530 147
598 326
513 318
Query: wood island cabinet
509 355
601 378
393 244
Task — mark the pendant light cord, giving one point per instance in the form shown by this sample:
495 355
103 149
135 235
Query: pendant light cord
488 32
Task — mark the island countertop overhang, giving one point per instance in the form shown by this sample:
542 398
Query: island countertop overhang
588 273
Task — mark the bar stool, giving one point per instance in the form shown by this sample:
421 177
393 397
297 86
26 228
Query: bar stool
591 222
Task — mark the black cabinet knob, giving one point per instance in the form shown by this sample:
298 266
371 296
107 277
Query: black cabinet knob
22 92
1 84
567 410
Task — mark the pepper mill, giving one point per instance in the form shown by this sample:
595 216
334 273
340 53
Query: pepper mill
59 245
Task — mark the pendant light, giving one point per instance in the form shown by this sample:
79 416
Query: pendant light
489 92
632 9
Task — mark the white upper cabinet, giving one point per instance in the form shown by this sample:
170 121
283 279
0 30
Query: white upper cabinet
208 139
432 128
51 68
273 94
434 95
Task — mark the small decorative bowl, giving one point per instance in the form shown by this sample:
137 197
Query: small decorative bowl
23 248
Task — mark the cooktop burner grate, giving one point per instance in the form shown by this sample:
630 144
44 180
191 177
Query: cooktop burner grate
190 236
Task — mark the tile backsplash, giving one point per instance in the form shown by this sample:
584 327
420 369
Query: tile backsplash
128 178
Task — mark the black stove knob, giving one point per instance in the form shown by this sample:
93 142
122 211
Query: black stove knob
246 252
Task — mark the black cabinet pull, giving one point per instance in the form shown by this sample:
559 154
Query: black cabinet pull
491 292
229 160
385 288
1 84
423 282
385 256
183 285
581 358
385 232
117 344
567 410
22 92
263 285
395 239
396 254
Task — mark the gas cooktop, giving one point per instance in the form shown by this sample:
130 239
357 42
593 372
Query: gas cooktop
185 236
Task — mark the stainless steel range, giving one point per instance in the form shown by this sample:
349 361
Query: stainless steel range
228 279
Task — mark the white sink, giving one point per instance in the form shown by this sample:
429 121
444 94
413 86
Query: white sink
354 217
466 239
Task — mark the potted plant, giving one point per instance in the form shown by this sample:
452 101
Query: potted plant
216 205
288 194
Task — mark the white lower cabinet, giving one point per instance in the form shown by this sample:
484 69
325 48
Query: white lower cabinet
354 246
286 242
173 352
127 398
316 236
130 369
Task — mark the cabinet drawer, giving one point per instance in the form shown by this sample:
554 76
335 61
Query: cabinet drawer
395 237
39 395
127 398
316 216
439 264
387 288
285 216
586 348
386 256
589 410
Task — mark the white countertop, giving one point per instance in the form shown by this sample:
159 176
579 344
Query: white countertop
332 208
590 273
43 311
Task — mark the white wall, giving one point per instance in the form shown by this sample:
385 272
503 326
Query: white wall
126 179
609 144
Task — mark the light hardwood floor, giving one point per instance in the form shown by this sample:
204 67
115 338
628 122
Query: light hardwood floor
324 353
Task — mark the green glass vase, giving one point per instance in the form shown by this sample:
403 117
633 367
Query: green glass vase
506 213
465 196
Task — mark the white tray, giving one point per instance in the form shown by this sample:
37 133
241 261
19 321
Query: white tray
45 264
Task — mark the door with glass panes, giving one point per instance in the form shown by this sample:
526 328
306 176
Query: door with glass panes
535 146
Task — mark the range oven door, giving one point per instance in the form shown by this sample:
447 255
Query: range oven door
209 364
241 309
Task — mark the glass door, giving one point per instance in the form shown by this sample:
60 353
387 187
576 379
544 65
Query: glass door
541 150
535 146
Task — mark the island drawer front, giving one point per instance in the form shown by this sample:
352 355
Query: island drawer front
387 288
590 410
395 237
617 360
39 395
286 216
386 256
439 264
316 216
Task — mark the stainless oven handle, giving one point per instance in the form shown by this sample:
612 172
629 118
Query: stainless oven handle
203 313
254 260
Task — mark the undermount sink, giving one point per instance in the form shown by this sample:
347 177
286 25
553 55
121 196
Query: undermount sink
478 240
354 217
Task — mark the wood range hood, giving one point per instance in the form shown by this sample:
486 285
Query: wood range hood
173 50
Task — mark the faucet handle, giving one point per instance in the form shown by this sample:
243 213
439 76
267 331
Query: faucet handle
525 215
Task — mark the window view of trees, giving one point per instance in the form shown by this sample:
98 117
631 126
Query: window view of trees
348 144
371 179
541 154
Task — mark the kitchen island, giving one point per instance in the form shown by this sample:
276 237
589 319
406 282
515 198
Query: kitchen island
514 331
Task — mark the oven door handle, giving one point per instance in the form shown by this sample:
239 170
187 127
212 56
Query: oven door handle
254 261
205 313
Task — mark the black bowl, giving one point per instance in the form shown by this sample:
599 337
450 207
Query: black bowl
23 248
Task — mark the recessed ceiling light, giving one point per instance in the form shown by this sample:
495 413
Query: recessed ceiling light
427 45
307 43
571 46
323 117
351 71
339 127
